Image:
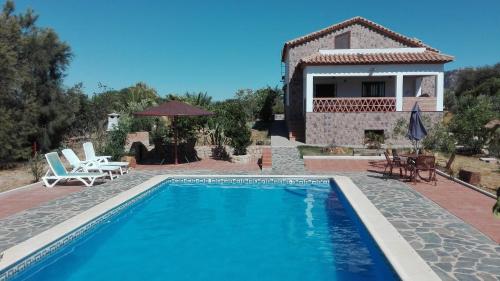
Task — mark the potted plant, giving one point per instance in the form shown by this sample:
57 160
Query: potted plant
130 157
373 140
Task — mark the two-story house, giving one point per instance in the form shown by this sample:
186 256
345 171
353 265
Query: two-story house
356 77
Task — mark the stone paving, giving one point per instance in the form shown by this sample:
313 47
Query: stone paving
454 249
287 161
286 157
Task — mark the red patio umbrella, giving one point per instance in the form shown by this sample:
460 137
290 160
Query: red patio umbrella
174 109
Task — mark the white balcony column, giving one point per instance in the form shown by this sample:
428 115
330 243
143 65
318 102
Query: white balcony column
439 91
399 92
309 91
418 86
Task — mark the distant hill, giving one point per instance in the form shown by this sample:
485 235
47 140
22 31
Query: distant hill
477 74
451 78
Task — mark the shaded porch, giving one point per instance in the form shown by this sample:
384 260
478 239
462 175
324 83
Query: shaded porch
373 94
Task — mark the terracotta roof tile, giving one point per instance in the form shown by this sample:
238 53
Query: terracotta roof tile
380 58
411 42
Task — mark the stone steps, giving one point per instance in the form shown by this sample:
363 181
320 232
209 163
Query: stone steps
287 160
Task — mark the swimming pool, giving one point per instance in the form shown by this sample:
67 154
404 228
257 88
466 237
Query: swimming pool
232 229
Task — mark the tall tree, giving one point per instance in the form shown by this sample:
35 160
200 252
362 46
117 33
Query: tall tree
33 102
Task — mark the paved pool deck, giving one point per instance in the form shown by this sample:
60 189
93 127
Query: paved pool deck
455 249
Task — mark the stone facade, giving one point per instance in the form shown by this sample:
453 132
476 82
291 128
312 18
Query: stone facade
347 129
362 37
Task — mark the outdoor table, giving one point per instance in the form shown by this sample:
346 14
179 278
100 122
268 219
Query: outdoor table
410 161
404 161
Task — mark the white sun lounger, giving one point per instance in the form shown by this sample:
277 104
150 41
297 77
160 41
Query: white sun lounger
88 148
57 172
89 166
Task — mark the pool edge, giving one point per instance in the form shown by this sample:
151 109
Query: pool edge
18 252
403 258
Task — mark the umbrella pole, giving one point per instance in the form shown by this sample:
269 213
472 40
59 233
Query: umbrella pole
175 141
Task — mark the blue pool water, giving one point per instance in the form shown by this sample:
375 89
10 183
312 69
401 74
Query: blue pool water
229 231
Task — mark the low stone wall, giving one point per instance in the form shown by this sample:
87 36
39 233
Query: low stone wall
254 152
348 129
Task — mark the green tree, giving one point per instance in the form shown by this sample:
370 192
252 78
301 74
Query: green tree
468 123
32 65
231 124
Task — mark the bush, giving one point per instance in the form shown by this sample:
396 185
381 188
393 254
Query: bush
439 139
468 123
236 128
36 166
229 125
115 141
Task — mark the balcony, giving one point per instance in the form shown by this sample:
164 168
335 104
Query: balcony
381 104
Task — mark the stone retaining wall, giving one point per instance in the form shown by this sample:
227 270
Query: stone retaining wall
254 151
347 129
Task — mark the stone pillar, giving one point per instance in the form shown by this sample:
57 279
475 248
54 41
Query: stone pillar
399 92
439 91
308 91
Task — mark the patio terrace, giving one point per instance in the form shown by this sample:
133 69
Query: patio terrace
450 226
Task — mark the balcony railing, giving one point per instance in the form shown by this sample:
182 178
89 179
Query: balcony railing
354 104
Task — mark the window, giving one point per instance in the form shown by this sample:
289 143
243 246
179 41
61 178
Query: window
373 89
374 138
325 90
343 41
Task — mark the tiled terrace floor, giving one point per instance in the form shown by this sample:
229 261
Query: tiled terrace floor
467 204
454 249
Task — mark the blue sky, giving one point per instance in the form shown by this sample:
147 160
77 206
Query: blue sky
221 46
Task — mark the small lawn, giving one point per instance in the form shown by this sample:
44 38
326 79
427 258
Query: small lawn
306 150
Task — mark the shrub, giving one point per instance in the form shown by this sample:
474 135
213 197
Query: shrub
468 123
115 141
236 129
229 125
36 166
439 139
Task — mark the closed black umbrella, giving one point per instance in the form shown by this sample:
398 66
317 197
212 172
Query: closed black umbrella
416 130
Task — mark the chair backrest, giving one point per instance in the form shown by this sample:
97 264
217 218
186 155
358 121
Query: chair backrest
88 148
72 158
425 162
395 153
56 164
387 157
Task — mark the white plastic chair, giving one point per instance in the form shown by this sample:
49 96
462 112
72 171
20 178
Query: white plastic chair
88 166
88 148
57 172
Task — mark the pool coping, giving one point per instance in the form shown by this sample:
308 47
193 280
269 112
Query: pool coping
404 259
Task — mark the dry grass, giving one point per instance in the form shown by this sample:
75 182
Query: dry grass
21 175
490 172
15 177
306 150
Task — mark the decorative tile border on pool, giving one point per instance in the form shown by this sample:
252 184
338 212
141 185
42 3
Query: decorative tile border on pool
11 270
33 250
248 180
46 251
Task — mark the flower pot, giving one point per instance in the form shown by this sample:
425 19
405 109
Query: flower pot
131 161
